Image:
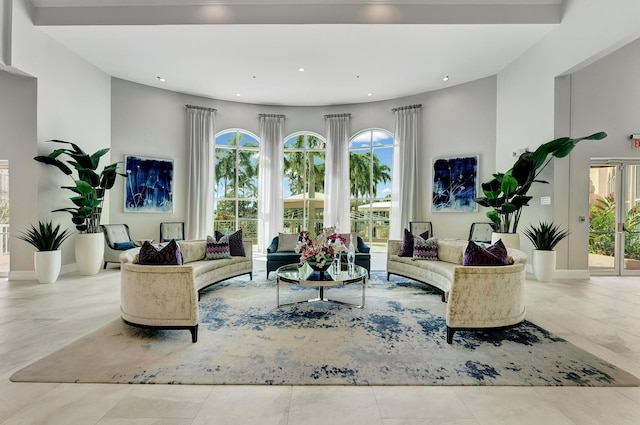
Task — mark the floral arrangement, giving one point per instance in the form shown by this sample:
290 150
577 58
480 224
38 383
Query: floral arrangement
323 249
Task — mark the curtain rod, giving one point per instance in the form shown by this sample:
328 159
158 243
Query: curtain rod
203 108
401 108
272 116
337 115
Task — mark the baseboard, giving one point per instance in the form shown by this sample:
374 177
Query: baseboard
22 275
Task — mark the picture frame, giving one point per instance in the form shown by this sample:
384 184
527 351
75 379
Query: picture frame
455 184
149 184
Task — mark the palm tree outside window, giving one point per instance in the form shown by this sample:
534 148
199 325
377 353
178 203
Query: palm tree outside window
236 188
304 170
370 163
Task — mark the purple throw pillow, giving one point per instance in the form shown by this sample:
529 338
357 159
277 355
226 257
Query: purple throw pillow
475 255
169 255
406 249
217 249
236 246
425 249
499 250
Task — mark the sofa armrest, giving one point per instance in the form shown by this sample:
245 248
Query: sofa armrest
248 248
273 247
486 296
393 247
158 295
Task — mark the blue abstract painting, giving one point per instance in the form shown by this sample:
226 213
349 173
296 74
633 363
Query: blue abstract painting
149 185
455 184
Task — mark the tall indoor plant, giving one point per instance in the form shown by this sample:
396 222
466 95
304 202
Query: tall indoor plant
544 238
47 239
88 191
506 193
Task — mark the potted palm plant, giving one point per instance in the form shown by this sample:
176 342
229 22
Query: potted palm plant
47 239
89 189
544 238
506 193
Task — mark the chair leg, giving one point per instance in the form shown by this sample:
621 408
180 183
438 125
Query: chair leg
105 266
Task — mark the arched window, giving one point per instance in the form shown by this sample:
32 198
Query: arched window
304 156
236 190
370 164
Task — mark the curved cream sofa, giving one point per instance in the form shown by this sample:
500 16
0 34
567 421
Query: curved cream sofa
166 297
478 297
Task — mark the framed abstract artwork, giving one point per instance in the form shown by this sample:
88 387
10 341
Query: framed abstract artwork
149 184
455 184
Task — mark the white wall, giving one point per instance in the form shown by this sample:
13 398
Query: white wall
151 122
590 29
73 103
18 145
605 96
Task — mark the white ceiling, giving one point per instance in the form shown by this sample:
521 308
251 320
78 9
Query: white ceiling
257 51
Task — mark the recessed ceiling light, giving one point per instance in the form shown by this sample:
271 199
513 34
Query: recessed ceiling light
369 94
445 78
238 94
162 80
301 69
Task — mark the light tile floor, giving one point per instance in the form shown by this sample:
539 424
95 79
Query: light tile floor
601 315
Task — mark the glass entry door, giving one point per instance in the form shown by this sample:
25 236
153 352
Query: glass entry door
614 217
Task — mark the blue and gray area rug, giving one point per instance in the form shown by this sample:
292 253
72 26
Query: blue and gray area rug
397 339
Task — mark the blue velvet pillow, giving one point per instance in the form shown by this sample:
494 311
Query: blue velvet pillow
236 247
123 245
168 255
494 255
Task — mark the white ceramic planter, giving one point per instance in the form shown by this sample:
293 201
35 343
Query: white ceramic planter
544 264
510 240
47 265
89 252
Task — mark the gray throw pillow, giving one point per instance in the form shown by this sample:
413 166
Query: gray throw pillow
287 242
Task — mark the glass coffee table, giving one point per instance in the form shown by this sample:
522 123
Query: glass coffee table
303 275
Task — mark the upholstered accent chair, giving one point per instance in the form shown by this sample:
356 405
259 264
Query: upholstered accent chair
171 230
481 232
117 239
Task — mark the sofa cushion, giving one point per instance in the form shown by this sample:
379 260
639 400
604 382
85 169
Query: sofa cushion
287 242
475 255
192 250
217 249
425 249
451 250
236 247
170 254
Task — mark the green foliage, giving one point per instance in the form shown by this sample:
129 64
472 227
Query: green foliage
602 221
45 237
546 236
89 186
507 192
4 211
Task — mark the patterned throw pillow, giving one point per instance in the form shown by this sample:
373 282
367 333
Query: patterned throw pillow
425 249
236 247
494 255
406 249
168 255
217 249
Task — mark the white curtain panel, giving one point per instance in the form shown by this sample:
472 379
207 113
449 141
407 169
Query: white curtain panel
404 193
336 179
201 176
270 191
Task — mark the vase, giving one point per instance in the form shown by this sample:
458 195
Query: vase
316 267
47 265
89 251
544 264
510 240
